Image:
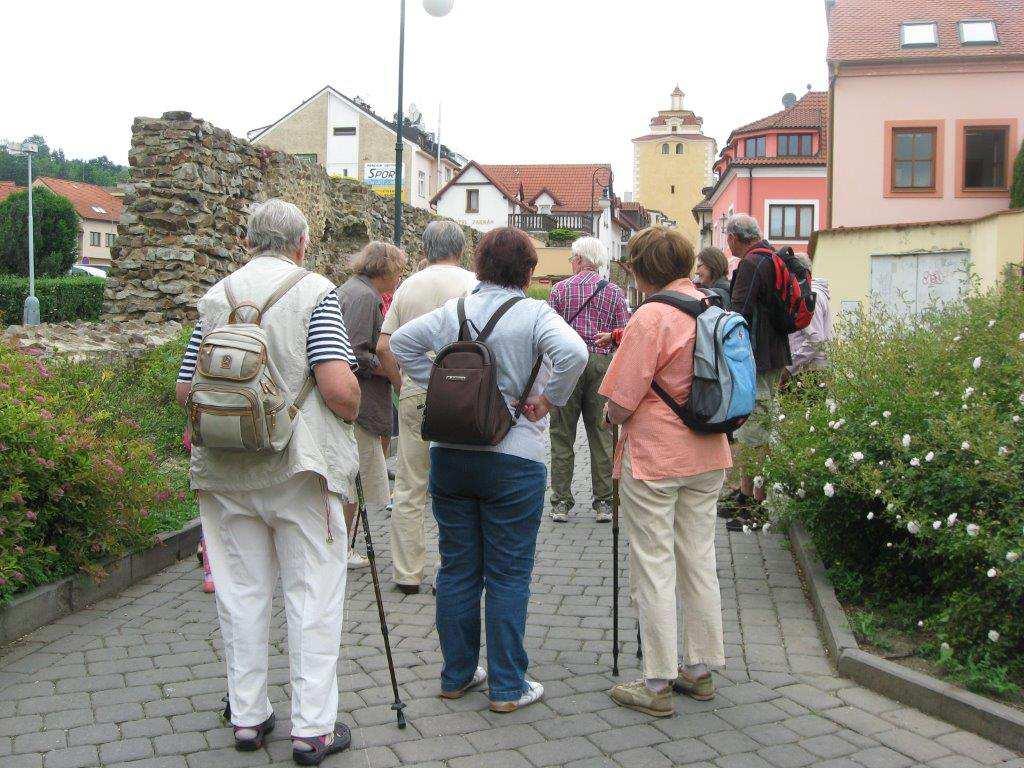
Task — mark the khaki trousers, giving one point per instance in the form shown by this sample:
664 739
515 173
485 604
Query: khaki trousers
295 528
671 530
408 547
373 472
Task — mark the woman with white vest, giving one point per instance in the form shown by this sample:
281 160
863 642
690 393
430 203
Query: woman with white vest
280 512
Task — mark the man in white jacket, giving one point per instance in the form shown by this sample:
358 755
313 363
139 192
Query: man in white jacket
807 345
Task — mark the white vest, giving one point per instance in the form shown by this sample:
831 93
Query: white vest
321 442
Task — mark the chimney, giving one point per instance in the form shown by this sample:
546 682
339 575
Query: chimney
789 100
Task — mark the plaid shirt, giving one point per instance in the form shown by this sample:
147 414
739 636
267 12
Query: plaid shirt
606 312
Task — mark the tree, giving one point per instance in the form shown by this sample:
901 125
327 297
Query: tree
55 233
1017 188
52 162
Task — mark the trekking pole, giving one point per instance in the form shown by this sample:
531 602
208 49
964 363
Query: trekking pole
399 705
615 564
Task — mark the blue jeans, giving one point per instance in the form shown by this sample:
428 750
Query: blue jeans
488 508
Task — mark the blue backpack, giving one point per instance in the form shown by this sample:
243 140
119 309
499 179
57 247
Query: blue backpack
724 372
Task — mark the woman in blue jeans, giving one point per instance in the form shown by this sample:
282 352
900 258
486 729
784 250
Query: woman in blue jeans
488 501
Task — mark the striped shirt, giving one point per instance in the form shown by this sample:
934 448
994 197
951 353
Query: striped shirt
327 339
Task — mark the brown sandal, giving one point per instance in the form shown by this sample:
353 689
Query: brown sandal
319 749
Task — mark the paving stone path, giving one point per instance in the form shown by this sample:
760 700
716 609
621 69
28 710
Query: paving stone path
137 680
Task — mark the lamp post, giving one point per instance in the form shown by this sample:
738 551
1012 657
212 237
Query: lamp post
30 314
595 224
435 8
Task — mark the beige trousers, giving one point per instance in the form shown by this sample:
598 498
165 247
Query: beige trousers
671 530
373 472
408 547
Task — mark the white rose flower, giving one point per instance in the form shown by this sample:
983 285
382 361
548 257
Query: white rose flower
936 524
936 393
746 529
888 545
782 417
886 414
915 462
871 515
874 423
840 423
951 519
929 456
913 528
973 529
1020 398
801 492
920 623
1003 450
812 451
945 647
778 487
977 462
830 464
905 441
832 406
976 364
1016 419
968 392
878 491
991 323
991 573
831 425
856 456
1012 557
765 527
993 636
1021 337
758 481
890 506
829 489
812 428
956 338
965 446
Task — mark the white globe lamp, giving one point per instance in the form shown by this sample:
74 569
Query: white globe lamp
438 7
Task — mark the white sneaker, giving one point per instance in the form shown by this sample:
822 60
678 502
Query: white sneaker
534 693
560 513
479 677
356 560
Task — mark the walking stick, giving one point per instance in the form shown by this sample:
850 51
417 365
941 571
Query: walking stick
399 705
615 564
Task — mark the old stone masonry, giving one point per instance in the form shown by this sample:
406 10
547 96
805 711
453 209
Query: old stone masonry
137 680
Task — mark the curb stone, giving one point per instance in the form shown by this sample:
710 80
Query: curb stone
49 602
990 719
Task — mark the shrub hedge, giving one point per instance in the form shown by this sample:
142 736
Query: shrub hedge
75 297
92 463
905 461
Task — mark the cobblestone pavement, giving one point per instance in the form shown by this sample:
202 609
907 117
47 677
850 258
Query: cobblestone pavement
137 681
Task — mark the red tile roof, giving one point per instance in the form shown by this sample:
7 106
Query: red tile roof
686 118
810 111
869 30
570 184
8 188
90 201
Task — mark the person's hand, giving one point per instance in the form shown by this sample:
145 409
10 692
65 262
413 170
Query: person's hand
603 340
536 408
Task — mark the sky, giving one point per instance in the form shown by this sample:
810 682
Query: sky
520 81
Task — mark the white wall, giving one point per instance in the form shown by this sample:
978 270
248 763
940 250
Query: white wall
342 151
421 162
494 206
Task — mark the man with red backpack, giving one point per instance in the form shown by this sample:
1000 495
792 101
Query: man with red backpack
773 293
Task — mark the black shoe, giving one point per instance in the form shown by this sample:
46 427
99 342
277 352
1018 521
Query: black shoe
316 755
408 589
256 742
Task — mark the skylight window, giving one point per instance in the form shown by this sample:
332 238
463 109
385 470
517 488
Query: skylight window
919 34
978 32
98 209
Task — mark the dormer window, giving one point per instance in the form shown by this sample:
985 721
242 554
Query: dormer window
978 32
919 34
755 147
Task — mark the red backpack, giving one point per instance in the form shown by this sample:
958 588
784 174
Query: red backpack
790 298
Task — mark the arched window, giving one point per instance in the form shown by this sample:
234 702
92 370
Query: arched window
664 149
679 148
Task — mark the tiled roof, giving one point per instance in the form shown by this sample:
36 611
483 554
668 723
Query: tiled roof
869 30
686 118
7 188
91 201
809 112
754 162
570 184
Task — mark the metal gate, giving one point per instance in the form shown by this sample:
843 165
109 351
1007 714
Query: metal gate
909 284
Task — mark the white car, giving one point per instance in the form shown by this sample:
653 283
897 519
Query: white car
85 269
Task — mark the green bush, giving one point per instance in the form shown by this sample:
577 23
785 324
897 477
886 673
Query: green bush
905 461
55 230
539 292
73 297
1017 185
92 462
562 236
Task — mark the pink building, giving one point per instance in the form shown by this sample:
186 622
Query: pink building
927 108
774 170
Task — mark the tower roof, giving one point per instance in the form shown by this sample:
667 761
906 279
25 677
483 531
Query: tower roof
678 91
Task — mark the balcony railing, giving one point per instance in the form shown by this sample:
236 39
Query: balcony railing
545 222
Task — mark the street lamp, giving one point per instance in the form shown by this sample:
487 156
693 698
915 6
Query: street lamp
435 8
606 200
30 315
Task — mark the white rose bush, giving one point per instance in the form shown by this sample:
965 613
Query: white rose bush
935 539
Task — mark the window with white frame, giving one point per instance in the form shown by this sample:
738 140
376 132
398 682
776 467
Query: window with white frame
421 183
111 238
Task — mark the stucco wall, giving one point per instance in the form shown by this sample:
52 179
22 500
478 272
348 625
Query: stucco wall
863 104
304 133
94 256
844 256
689 172
494 206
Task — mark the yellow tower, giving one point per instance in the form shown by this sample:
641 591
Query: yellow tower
672 163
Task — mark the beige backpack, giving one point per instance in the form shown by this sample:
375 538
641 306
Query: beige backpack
237 401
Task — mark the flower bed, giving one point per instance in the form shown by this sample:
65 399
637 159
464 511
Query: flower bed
92 463
905 462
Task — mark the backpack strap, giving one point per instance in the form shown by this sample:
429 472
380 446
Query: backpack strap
600 287
691 306
285 285
526 390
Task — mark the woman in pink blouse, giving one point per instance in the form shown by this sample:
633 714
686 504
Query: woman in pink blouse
670 479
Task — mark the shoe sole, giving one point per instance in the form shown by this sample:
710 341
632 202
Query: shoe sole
696 696
507 707
314 758
452 695
255 744
645 710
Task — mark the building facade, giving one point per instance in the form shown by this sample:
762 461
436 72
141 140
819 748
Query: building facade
348 138
98 208
928 108
774 170
672 164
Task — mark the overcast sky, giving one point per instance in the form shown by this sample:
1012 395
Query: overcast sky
520 80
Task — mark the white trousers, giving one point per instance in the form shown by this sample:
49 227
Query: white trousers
408 546
671 530
296 528
373 471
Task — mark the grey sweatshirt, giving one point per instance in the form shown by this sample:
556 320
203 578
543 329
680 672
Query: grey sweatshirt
528 329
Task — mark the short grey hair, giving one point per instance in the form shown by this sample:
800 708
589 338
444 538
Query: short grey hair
276 225
744 227
443 240
591 249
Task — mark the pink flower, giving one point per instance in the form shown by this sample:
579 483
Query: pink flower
4 385
3 581
18 575
144 512
30 514
43 371
17 498
45 415
163 496
39 399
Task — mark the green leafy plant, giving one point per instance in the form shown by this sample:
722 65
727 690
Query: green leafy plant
52 162
562 236
55 230
1017 187
539 292
74 297
905 462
